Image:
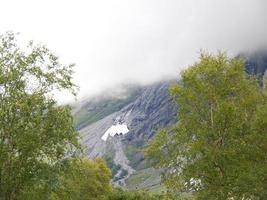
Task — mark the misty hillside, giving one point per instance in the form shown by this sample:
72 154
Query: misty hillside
256 63
142 109
128 121
133 100
96 108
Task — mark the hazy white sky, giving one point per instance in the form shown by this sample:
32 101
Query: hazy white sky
119 41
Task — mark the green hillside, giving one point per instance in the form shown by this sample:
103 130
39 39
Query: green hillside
100 107
145 179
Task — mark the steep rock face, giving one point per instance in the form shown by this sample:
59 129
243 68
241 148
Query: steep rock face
144 111
151 110
144 115
91 136
256 63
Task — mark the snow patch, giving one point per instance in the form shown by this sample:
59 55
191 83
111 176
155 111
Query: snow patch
118 129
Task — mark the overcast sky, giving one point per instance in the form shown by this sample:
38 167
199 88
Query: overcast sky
120 41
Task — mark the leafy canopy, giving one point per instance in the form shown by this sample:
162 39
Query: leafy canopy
36 134
84 180
217 149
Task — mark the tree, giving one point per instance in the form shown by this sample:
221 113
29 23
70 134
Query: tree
36 135
119 194
217 149
84 180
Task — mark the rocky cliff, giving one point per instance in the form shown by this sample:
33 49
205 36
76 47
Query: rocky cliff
149 109
256 63
141 111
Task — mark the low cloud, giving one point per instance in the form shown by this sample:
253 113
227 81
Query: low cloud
120 41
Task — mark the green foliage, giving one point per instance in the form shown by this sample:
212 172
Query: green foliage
147 179
84 180
138 177
117 171
119 194
217 149
123 173
134 155
112 165
35 133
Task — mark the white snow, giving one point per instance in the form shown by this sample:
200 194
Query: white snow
115 129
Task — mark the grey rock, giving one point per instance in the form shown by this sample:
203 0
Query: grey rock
151 110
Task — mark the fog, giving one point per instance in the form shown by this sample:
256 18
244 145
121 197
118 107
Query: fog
142 41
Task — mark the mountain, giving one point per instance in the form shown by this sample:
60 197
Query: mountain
96 108
256 63
117 124
116 127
